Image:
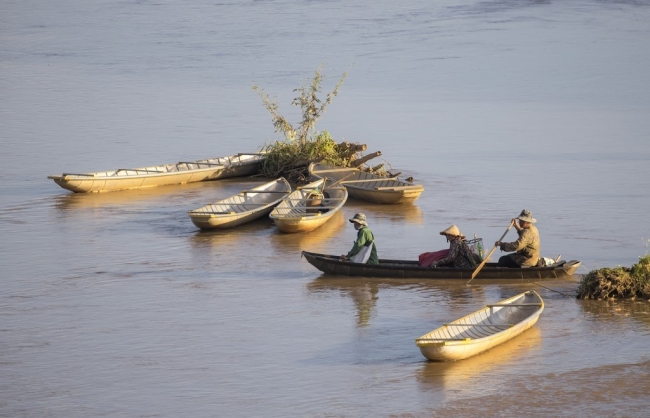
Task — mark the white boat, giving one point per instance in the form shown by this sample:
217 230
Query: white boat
243 207
483 329
368 186
309 206
160 175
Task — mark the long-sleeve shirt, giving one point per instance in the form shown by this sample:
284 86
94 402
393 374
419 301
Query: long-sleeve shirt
460 255
526 247
364 236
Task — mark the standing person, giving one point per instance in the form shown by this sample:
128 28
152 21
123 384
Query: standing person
460 255
526 247
364 237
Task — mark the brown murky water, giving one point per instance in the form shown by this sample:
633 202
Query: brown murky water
116 305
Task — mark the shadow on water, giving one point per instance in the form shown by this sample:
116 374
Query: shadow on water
463 374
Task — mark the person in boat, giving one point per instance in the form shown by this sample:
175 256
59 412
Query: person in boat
364 237
526 247
460 255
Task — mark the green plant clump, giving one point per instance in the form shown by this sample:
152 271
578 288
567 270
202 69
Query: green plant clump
618 282
302 143
289 158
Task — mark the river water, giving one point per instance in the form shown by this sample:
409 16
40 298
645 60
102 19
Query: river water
116 305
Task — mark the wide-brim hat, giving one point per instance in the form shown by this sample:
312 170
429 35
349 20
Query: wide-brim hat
452 230
359 218
526 216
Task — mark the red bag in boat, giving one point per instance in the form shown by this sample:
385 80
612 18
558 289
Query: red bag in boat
427 258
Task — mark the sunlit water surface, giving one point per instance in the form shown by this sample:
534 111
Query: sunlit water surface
116 305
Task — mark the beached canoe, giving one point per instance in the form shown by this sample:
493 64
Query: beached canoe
309 206
404 269
160 175
368 186
483 329
243 207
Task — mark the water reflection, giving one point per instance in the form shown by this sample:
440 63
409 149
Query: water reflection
460 375
199 192
616 310
364 294
317 240
409 213
231 237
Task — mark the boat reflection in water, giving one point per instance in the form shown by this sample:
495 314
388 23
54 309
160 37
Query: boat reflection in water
324 237
408 212
192 192
616 311
363 293
473 374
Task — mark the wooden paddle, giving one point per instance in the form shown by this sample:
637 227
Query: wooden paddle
480 266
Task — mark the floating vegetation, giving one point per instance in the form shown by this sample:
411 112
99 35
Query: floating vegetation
618 282
303 145
291 158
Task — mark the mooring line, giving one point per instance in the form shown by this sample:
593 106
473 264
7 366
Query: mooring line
552 290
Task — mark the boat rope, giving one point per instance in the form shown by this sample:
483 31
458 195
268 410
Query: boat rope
552 290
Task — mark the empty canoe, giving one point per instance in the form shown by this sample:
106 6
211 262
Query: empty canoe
243 207
368 186
160 175
483 329
309 206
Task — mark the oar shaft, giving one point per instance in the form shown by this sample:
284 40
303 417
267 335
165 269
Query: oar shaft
480 266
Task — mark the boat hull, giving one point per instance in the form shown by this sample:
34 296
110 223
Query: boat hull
483 329
241 208
211 222
302 224
369 187
296 214
161 175
387 197
406 269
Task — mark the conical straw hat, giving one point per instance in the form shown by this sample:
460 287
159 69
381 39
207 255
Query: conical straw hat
452 230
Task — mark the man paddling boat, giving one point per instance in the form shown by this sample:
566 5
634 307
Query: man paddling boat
526 247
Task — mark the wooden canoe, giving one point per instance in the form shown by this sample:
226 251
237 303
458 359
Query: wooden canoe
301 212
160 175
483 329
368 186
243 207
405 269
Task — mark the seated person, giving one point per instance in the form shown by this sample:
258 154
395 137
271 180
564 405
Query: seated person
364 238
460 255
526 247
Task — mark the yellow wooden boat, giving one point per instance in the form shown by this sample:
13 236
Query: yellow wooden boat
160 175
483 329
309 206
243 207
367 186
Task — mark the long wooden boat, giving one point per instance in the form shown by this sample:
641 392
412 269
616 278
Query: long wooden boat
304 211
404 269
368 186
243 207
483 329
160 175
